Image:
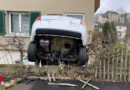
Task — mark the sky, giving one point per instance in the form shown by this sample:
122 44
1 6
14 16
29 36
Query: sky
115 5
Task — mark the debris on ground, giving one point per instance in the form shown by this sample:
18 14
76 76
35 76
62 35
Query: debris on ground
46 78
51 78
50 74
63 84
13 82
86 83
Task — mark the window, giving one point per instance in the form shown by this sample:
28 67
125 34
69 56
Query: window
19 23
78 16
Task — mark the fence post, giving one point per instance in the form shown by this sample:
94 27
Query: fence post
100 67
129 72
96 72
104 69
108 71
117 62
121 65
112 68
126 61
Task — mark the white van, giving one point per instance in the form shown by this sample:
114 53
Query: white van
58 38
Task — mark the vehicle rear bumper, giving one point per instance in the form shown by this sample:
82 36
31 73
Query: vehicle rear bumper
59 32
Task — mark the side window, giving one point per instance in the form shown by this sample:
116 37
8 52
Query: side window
25 23
77 16
19 23
15 23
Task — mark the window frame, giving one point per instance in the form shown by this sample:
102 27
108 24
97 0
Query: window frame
20 24
76 14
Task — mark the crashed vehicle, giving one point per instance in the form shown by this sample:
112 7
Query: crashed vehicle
58 38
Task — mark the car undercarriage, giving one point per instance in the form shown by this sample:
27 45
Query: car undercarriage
52 49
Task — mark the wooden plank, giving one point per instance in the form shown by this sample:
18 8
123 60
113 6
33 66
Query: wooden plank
121 65
53 77
46 78
112 72
88 84
126 61
96 72
100 69
63 84
129 70
117 62
40 64
49 77
104 69
108 69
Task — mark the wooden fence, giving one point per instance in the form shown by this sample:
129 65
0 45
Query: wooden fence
115 68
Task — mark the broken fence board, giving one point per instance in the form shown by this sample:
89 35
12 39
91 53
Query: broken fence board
63 84
88 84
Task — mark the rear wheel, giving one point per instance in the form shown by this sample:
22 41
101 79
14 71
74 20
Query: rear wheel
82 56
32 52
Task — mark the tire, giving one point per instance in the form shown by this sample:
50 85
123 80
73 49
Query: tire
82 56
32 52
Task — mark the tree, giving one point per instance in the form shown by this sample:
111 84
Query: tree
121 10
106 28
109 33
113 33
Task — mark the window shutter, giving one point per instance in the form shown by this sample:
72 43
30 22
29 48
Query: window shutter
2 22
33 16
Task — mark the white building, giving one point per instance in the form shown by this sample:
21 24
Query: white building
100 18
128 18
121 30
112 16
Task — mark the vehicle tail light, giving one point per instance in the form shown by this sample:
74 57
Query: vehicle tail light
82 23
38 18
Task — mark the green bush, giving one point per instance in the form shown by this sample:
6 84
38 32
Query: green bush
109 33
118 46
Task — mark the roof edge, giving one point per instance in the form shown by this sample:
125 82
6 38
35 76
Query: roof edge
97 4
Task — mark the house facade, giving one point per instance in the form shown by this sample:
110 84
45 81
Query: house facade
17 16
121 30
128 18
122 18
112 16
101 19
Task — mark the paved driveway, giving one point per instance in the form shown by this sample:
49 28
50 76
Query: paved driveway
42 85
